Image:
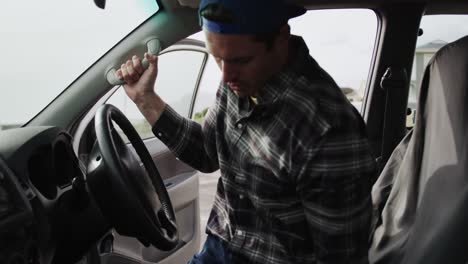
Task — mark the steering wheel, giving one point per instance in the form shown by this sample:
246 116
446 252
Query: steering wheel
132 198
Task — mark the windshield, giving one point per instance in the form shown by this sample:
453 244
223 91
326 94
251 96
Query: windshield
46 45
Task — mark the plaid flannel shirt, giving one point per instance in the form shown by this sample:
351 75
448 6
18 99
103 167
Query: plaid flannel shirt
296 168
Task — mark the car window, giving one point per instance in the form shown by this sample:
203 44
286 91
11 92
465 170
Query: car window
342 42
178 73
48 44
437 31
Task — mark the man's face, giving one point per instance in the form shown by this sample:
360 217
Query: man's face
246 64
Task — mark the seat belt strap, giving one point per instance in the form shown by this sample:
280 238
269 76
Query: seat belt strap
394 78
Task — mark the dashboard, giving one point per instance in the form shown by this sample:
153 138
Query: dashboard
45 211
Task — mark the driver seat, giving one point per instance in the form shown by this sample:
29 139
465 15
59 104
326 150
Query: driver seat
421 197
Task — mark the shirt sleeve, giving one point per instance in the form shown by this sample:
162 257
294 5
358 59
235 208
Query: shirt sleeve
191 142
334 184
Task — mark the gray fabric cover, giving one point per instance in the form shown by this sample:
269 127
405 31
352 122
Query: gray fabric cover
421 197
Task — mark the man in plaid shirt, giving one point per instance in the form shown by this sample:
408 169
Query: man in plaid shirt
296 169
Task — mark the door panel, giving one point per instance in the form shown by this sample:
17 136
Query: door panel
168 165
183 191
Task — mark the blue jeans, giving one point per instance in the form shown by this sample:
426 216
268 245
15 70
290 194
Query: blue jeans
214 252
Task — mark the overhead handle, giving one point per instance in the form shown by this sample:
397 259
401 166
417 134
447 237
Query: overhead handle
154 47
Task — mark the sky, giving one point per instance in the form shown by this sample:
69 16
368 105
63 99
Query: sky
44 50
48 44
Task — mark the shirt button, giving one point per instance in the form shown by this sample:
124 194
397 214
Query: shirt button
159 134
241 196
240 126
240 232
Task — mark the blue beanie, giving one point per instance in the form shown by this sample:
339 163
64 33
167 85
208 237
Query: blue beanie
250 16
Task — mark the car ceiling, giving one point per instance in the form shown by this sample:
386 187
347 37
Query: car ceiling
432 6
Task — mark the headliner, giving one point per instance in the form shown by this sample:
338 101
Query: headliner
432 6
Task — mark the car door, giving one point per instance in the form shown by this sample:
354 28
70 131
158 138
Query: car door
181 67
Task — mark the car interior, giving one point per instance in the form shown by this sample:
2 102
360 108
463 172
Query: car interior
79 184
